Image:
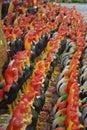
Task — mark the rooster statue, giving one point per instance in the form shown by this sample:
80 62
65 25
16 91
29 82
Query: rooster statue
3 53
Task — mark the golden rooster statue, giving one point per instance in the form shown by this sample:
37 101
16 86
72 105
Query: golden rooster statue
3 54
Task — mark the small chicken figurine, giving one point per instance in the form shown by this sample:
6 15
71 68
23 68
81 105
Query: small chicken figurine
12 5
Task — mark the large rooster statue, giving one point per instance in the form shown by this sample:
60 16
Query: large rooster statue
3 55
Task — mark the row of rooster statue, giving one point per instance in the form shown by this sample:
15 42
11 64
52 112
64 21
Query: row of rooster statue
45 79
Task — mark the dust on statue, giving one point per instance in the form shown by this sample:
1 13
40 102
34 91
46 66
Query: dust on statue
3 54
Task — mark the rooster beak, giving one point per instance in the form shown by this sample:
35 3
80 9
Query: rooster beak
81 126
80 91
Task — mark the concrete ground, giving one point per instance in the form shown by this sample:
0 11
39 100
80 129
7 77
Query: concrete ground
80 7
